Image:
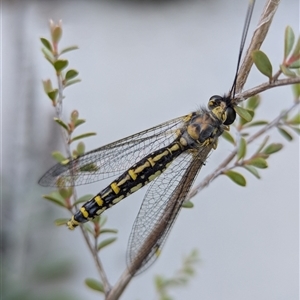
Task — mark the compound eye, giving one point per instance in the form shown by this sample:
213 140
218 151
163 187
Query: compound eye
214 101
230 116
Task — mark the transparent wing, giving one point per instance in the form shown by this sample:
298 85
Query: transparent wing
160 208
112 159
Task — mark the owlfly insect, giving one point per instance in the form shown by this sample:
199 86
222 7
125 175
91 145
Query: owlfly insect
168 157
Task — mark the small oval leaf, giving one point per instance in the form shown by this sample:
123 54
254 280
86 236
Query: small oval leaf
91 167
287 72
47 44
228 137
285 134
107 230
236 177
295 64
188 204
296 91
242 149
244 113
84 198
53 94
252 170
297 48
79 122
58 156
56 198
253 102
296 129
66 193
94 285
67 49
81 136
272 148
48 55
257 123
262 63
61 123
289 39
60 222
60 64
73 81
105 243
295 120
80 148
258 162
71 74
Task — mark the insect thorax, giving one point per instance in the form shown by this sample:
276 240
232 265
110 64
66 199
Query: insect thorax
201 129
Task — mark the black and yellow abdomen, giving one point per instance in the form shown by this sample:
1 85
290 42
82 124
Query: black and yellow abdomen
137 176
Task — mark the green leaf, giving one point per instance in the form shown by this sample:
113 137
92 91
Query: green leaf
296 91
88 228
67 49
296 129
60 64
287 72
188 204
285 134
53 94
66 193
242 149
46 43
257 123
228 137
94 285
70 82
289 39
58 156
253 102
74 115
258 162
71 74
236 177
107 230
79 122
48 55
245 114
295 120
84 198
272 148
80 148
252 170
105 243
60 222
297 48
56 198
159 281
61 123
91 167
295 64
81 136
262 63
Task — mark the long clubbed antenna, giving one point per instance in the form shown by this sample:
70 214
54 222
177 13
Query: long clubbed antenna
244 35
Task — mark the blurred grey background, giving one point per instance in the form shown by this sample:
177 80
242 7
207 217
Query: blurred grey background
142 63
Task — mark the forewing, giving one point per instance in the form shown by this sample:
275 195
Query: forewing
111 159
160 208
